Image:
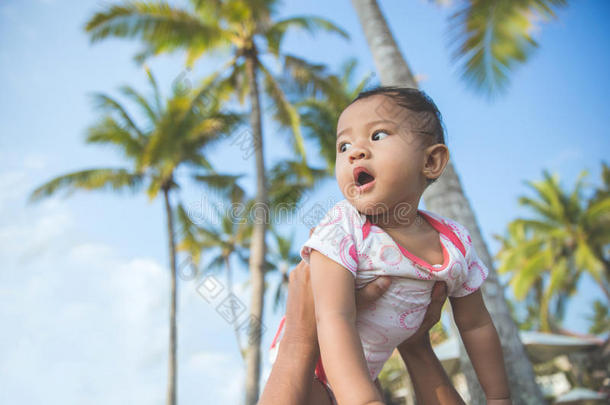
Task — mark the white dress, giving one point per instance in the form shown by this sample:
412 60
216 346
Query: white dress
367 252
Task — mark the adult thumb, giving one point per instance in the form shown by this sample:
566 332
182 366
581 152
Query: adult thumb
372 291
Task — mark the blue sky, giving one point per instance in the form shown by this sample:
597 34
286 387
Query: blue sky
83 286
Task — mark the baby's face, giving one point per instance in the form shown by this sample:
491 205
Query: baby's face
374 134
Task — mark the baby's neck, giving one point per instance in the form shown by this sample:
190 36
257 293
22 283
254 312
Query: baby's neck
408 222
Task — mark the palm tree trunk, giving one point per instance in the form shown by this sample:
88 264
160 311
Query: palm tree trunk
392 67
447 198
171 382
258 248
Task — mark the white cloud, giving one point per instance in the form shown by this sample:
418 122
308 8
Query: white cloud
35 161
84 323
219 370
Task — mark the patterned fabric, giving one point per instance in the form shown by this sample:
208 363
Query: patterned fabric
347 237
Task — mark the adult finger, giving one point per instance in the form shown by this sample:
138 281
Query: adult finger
300 313
433 313
367 295
431 317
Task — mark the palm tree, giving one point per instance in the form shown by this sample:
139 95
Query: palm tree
282 259
517 238
171 138
291 179
600 320
491 37
557 246
600 240
247 29
229 238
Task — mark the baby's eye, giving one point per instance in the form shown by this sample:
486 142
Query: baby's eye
379 134
341 147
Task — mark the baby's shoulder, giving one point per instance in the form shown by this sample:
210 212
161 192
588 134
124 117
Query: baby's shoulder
344 213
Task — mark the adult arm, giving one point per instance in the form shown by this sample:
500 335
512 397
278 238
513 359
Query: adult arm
291 377
483 346
335 308
430 382
292 373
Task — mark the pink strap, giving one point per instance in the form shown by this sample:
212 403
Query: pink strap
279 330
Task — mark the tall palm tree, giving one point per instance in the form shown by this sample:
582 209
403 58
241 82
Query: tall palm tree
600 320
556 246
517 238
249 30
290 179
172 137
492 38
282 258
223 241
600 240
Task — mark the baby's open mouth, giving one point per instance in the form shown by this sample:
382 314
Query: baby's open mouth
362 176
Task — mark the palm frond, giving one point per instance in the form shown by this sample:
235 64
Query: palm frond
162 27
92 179
156 92
310 79
285 113
187 234
224 183
108 104
491 37
152 113
109 132
275 34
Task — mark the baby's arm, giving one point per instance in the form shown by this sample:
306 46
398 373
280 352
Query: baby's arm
340 346
483 346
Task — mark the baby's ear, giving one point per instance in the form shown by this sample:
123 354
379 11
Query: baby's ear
436 159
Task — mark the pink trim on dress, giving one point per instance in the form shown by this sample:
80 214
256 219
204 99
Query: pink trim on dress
440 227
445 230
422 262
366 228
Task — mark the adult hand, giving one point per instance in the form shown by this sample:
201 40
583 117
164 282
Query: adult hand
432 316
430 382
300 313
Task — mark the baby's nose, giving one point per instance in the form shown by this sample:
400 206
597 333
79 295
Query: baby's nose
357 153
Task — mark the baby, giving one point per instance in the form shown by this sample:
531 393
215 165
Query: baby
390 147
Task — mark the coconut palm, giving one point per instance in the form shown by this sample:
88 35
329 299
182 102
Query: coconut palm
283 258
248 30
517 238
556 246
171 138
491 38
291 179
600 320
222 241
599 240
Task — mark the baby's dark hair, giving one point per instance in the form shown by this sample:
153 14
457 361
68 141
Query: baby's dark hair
427 119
